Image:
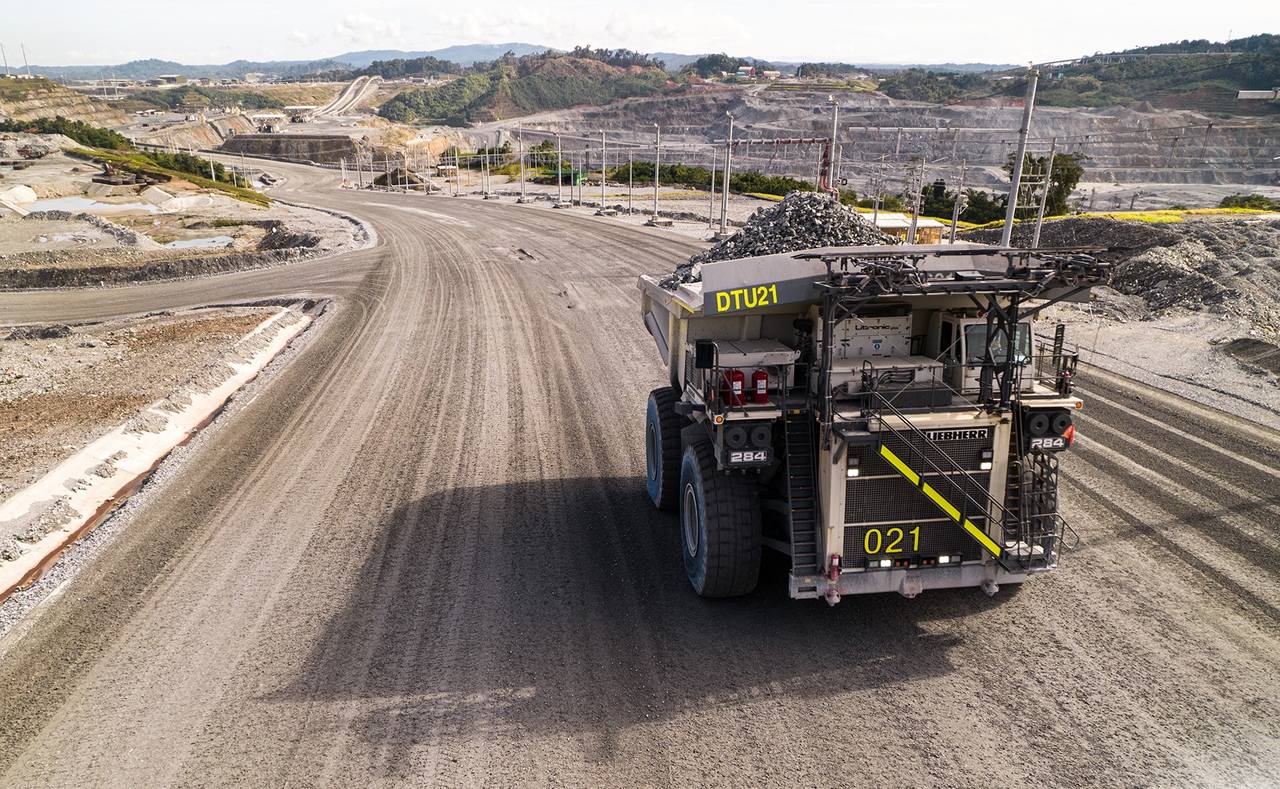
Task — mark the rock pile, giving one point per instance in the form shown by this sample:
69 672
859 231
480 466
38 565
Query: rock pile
53 332
804 220
1225 266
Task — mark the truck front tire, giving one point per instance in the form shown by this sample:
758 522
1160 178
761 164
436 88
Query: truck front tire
662 448
719 522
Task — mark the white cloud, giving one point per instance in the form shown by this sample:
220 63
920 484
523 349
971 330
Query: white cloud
368 30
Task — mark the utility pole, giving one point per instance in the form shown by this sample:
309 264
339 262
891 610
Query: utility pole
711 203
487 181
520 139
5 58
915 205
657 166
631 180
725 180
1044 193
1015 182
559 176
604 168
955 209
25 62
831 153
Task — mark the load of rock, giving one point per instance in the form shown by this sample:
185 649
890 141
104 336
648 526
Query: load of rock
803 220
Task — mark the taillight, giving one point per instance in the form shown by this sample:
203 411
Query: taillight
760 387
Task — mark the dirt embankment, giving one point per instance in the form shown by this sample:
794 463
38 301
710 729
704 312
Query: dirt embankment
60 388
320 148
198 135
28 99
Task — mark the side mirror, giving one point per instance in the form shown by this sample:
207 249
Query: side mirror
704 354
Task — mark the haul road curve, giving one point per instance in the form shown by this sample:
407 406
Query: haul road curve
423 555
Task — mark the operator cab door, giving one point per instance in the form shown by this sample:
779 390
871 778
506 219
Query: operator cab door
973 347
950 350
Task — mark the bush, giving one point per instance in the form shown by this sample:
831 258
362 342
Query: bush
187 163
82 133
700 178
1255 201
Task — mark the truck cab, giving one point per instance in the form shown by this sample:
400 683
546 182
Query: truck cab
885 416
958 339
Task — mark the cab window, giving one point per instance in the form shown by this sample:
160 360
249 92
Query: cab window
975 341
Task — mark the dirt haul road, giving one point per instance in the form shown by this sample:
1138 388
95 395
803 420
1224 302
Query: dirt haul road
423 555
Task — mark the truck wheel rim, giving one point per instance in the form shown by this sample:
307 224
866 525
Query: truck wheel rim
689 520
651 452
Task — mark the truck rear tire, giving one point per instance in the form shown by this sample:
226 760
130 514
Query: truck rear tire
662 448
719 522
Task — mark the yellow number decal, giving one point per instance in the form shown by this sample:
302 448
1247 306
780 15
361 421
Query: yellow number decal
892 547
866 541
915 538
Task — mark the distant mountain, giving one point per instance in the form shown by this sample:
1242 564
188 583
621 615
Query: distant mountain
940 68
464 54
674 61
150 69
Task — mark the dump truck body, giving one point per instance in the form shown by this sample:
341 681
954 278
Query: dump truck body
891 409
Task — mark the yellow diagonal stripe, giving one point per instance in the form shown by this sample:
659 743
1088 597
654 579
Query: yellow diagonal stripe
938 499
981 536
897 463
941 502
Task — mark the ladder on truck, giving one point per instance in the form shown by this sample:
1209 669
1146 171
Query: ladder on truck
802 488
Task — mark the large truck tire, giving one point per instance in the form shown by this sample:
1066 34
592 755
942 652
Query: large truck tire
719 522
662 449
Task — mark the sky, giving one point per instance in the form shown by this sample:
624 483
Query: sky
861 31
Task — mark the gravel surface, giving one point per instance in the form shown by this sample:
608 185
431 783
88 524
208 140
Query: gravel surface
422 555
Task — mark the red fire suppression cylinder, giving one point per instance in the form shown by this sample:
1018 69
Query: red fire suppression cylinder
760 387
734 383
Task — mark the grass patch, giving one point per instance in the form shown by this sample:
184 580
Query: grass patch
141 165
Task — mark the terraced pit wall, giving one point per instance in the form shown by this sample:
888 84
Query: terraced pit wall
318 148
1238 150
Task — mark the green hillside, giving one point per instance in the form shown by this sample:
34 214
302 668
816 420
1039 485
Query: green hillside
513 86
1200 75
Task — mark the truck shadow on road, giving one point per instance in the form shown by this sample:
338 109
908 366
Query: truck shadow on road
560 606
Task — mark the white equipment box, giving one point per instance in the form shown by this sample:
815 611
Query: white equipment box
861 337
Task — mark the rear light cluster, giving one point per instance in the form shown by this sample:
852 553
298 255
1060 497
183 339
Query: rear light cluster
924 561
734 390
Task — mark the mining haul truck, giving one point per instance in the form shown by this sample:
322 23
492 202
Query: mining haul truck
890 417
